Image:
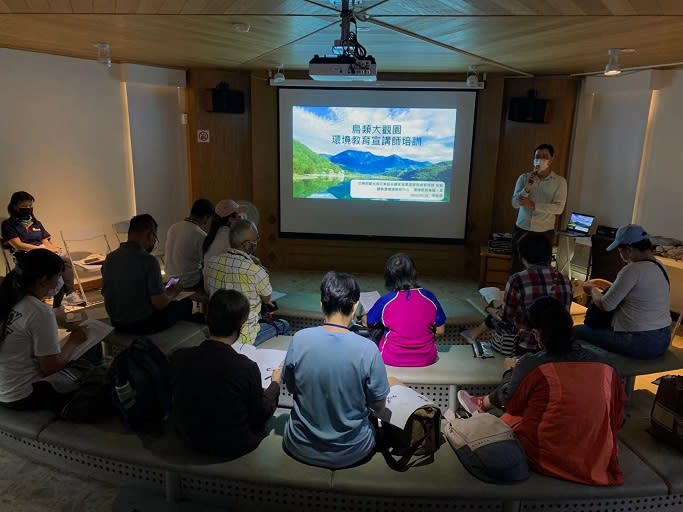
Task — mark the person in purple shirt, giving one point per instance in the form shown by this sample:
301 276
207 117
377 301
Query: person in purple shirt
410 315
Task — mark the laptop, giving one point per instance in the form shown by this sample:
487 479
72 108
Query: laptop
579 224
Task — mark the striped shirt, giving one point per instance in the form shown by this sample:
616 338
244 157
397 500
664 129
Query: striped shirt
235 270
525 287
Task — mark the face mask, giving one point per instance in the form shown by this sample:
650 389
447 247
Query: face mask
541 164
54 291
251 248
25 213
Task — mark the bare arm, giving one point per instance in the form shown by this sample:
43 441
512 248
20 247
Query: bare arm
440 330
55 362
18 245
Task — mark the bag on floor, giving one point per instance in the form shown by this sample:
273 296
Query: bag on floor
487 447
140 386
91 400
419 437
666 418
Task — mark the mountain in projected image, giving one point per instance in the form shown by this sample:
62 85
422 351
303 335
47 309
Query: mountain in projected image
365 162
320 176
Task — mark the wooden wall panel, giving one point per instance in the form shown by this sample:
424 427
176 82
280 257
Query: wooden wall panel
221 168
370 256
518 140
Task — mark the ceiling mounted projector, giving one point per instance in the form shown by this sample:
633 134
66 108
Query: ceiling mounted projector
350 61
343 68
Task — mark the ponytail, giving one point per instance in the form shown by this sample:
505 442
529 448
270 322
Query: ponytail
216 224
30 267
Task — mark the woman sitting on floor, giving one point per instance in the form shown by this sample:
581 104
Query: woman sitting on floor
639 298
564 405
30 348
411 316
336 377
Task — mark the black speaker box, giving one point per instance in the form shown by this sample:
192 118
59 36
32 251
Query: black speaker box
604 264
228 101
528 110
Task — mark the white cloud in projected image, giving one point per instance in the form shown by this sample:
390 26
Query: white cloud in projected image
315 127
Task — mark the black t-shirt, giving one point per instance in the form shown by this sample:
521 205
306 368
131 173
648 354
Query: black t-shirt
130 276
219 406
34 234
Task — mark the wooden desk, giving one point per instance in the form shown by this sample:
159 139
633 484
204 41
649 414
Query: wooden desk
494 268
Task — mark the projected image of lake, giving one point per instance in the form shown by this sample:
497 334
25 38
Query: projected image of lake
383 154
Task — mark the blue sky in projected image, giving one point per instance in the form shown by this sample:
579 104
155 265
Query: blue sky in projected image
314 126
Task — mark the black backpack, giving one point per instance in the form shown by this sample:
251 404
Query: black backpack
141 390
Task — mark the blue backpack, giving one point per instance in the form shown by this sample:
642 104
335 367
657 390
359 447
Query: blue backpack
141 390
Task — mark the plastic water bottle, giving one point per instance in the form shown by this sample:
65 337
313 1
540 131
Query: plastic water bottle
126 395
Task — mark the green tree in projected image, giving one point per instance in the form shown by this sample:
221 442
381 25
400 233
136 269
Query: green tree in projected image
315 174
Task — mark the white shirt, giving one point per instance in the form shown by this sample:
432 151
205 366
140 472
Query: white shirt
549 194
639 298
183 252
31 333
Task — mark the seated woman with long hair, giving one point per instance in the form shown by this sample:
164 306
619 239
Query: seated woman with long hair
410 315
564 405
30 348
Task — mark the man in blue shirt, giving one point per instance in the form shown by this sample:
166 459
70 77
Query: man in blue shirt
336 377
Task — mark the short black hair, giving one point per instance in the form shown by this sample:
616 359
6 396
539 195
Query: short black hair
142 223
338 293
17 198
400 273
549 147
227 311
202 208
535 248
551 318
643 245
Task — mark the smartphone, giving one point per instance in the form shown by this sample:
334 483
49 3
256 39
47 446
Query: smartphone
172 281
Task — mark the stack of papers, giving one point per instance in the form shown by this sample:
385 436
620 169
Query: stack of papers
95 330
267 359
401 403
368 299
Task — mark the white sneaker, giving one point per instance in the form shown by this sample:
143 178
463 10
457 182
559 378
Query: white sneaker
73 299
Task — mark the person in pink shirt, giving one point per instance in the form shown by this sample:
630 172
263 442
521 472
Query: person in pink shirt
410 316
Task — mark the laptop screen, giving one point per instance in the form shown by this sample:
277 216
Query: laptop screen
580 222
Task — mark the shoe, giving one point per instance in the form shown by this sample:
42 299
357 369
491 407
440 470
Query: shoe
73 299
468 335
472 404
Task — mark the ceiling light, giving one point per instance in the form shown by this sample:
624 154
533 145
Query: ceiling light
613 68
103 54
279 76
240 27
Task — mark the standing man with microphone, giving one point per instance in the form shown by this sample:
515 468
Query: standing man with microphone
539 196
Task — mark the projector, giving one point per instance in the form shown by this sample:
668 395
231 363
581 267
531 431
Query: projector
344 68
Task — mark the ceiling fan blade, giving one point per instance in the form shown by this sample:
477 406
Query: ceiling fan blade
632 68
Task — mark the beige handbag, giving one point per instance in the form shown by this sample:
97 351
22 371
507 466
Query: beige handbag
487 447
